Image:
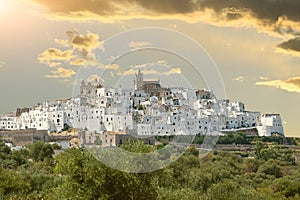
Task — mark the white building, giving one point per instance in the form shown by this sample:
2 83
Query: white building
269 124
173 111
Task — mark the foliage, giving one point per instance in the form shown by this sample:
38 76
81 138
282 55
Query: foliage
40 151
33 173
238 138
66 127
277 152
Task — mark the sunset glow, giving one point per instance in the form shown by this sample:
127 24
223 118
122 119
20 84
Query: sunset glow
3 4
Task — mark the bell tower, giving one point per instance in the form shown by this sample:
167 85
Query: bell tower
139 79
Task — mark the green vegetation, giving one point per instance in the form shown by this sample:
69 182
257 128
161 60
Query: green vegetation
66 128
241 138
33 173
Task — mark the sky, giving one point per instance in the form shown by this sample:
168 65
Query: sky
47 46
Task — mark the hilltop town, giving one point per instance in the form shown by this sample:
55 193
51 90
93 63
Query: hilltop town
148 109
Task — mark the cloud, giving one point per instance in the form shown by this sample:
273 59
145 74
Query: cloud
94 77
86 43
287 52
162 62
176 70
53 57
127 72
132 71
151 72
277 16
138 44
83 45
291 47
78 62
61 73
64 43
290 85
2 63
263 78
113 66
150 65
78 50
239 78
141 66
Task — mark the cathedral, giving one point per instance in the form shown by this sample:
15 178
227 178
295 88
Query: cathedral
139 82
151 87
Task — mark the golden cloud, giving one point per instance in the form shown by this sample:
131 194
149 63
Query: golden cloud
287 52
264 78
78 62
95 77
239 78
64 43
176 70
84 45
127 72
80 50
290 85
86 42
138 44
162 62
291 47
52 55
61 73
280 17
132 71
113 66
151 72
